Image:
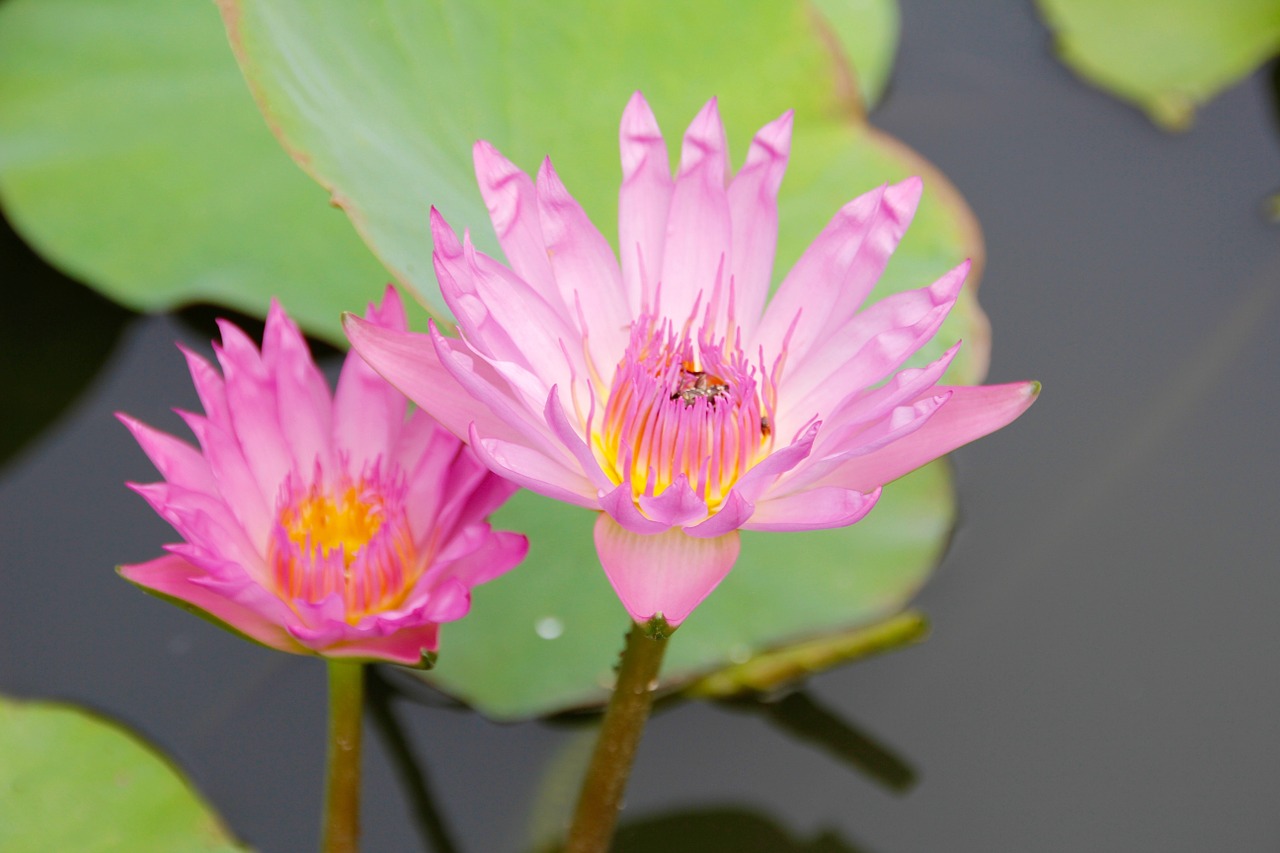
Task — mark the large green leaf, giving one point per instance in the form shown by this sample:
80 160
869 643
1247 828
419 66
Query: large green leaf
382 104
73 781
132 157
545 637
1167 56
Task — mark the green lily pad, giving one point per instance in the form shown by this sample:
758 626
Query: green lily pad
1166 56
72 781
382 109
132 157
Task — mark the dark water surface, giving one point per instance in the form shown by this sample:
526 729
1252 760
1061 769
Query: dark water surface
1103 672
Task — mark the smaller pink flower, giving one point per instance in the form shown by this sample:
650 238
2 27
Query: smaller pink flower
318 524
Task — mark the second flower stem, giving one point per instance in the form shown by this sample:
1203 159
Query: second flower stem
342 775
624 720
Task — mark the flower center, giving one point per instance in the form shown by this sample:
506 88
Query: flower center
351 538
677 407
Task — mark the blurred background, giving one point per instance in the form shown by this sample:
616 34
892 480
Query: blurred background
1101 673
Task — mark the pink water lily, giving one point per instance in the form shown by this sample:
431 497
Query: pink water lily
333 525
668 391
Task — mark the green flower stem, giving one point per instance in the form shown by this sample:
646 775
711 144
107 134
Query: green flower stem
342 783
606 779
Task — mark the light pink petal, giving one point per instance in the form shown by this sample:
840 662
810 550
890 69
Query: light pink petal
732 514
815 509
753 206
667 573
839 269
620 504
863 406
302 394
367 409
571 439
409 361
969 413
755 482
513 207
644 201
177 461
677 505
866 349
699 233
534 470
586 272
522 424
172 577
504 317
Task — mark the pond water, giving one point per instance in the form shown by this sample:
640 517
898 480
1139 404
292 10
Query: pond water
1102 673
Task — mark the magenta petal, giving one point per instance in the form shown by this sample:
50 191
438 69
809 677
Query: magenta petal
968 414
667 574
644 201
406 646
172 577
815 509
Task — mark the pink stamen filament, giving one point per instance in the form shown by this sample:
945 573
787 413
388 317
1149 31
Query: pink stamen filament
352 538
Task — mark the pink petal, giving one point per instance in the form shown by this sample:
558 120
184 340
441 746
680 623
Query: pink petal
254 406
500 552
835 274
302 394
573 441
409 361
585 270
177 461
970 413
172 577
237 485
644 201
753 206
209 387
513 207
406 646
668 573
699 231
815 509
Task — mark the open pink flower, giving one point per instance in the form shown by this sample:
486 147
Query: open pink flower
315 524
664 391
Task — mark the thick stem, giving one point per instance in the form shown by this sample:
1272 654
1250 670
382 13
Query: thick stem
606 779
342 783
